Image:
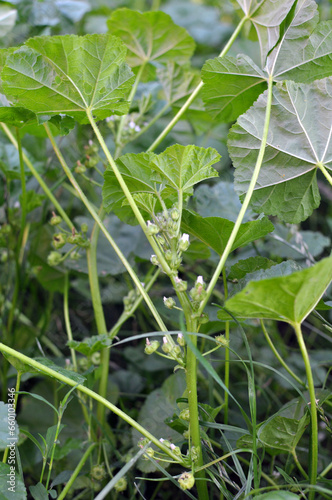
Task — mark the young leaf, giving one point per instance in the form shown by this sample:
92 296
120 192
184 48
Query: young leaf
177 81
91 344
215 231
288 298
181 167
39 492
78 379
231 86
299 140
69 74
250 265
151 37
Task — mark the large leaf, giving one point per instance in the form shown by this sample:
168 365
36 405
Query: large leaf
299 139
14 491
288 298
266 16
151 37
215 231
69 74
184 166
231 86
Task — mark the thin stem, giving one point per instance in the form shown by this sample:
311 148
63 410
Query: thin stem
325 172
41 182
123 118
67 319
76 472
23 186
128 195
66 380
299 466
227 365
313 409
279 358
191 381
98 313
191 98
95 216
246 200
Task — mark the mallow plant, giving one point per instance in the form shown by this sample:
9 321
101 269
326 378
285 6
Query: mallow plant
279 143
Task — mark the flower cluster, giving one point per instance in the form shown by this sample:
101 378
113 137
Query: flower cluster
74 240
172 350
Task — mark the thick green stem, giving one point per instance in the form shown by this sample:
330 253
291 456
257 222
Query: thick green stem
227 367
325 172
41 182
246 200
76 472
195 93
66 380
279 358
109 238
313 409
98 313
191 380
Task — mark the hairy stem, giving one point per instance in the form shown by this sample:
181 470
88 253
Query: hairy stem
66 380
313 409
195 93
41 182
246 200
109 238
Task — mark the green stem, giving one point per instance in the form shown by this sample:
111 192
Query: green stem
67 319
76 472
123 118
279 358
23 186
53 450
325 172
191 381
227 353
41 182
66 380
128 195
190 99
246 200
98 313
299 466
17 388
313 409
109 238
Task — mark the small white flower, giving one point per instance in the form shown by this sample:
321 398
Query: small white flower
177 279
172 446
148 341
17 204
165 340
164 299
132 124
137 128
180 335
161 440
185 238
199 280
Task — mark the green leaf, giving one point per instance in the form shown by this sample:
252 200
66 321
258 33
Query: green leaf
151 37
69 74
266 17
278 495
215 231
34 200
243 267
288 298
15 491
177 81
299 139
38 492
7 437
181 167
231 86
78 379
7 19
91 344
